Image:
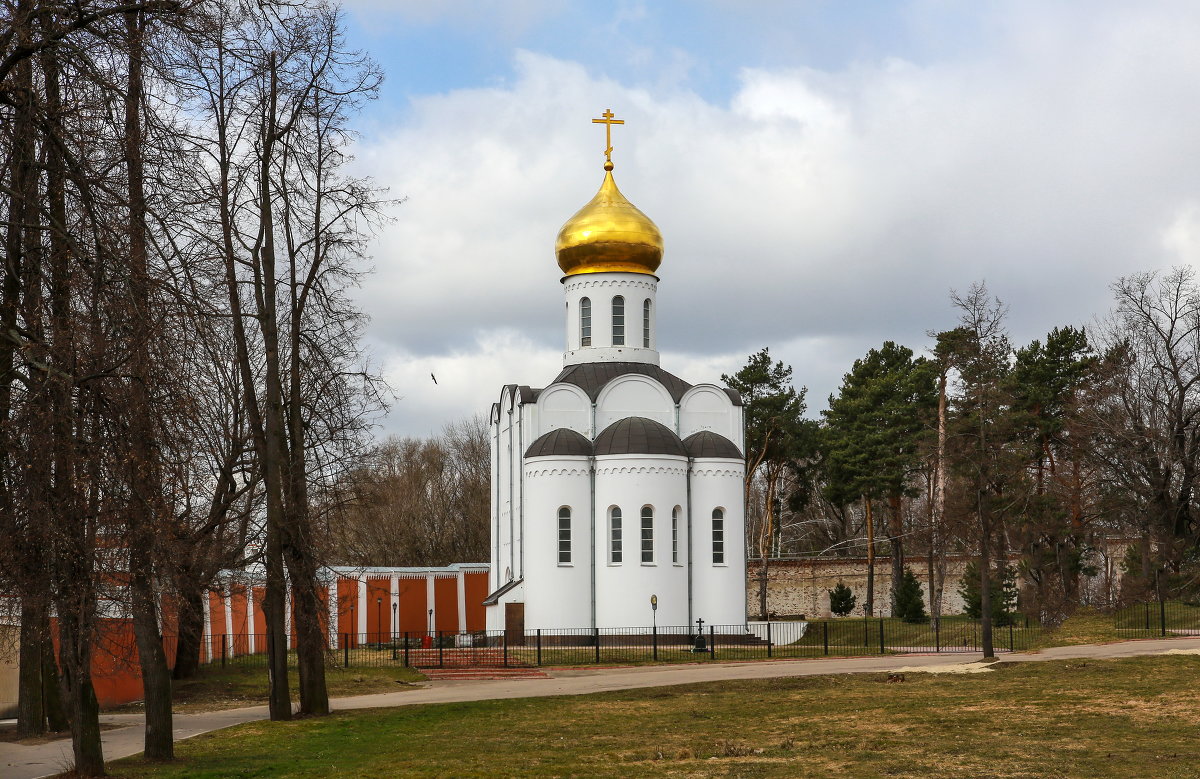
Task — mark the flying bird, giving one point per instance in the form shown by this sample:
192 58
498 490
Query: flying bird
433 377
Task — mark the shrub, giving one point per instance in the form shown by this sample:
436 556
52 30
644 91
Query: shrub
1004 594
910 606
841 600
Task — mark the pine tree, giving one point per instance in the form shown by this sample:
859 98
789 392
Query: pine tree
874 429
1004 594
841 599
910 605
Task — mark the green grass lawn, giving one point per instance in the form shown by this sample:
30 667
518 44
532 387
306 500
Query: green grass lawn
246 685
1122 718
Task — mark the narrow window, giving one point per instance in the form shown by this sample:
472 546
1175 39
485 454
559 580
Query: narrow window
614 526
675 535
618 321
564 535
585 322
718 537
646 324
647 534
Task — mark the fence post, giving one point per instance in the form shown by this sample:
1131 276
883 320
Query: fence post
1162 614
345 650
1146 610
539 644
596 631
712 643
504 640
866 639
223 644
825 631
441 655
770 647
1010 635
406 649
881 649
937 634
654 640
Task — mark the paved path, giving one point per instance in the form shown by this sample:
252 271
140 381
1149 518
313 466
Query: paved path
29 762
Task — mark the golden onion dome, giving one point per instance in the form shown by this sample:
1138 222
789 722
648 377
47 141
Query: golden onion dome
609 234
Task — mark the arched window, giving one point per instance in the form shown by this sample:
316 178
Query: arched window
646 324
585 322
614 535
675 535
647 534
564 536
618 321
718 537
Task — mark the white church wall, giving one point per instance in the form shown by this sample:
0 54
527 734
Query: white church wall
564 405
508 490
562 597
634 395
707 407
600 289
718 590
494 501
623 589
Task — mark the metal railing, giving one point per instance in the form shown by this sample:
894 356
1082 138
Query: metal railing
620 646
1161 618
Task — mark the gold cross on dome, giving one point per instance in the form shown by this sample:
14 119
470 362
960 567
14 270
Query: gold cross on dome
608 121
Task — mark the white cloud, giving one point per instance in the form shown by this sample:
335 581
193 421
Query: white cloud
818 213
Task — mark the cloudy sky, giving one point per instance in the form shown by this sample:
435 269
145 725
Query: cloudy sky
824 173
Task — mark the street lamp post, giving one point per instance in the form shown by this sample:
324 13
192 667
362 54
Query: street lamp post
395 609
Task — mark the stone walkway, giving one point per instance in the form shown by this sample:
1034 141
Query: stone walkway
30 762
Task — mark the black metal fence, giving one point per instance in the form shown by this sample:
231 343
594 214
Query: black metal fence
1163 618
620 646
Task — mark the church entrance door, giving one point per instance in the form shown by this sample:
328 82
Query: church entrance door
514 624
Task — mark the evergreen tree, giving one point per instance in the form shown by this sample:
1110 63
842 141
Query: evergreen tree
874 430
1003 584
841 600
983 431
777 438
1049 384
910 605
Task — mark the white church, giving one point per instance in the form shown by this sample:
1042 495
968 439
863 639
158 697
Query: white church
618 481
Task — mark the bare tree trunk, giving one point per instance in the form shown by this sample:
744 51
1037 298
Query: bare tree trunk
144 477
191 627
985 584
929 568
31 700
939 495
83 711
869 608
896 541
31 714
301 547
273 455
764 543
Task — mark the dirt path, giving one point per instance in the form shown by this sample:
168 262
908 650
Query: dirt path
30 762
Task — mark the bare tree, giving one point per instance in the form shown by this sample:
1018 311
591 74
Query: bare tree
416 502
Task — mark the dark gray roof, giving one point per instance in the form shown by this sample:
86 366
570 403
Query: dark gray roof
592 376
706 443
734 395
638 435
494 598
559 443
